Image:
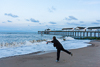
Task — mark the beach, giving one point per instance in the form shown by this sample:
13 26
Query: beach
82 57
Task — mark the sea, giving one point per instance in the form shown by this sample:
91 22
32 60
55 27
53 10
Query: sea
20 43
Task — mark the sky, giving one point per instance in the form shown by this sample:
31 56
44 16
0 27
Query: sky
38 15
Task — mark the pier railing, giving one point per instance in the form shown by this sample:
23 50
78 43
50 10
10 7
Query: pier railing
75 34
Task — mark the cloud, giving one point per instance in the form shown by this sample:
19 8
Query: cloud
11 15
81 21
95 23
71 18
3 22
52 22
52 9
27 20
9 21
33 20
98 20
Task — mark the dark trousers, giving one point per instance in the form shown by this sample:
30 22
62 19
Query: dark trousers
58 52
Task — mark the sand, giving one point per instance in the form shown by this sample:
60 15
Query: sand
83 57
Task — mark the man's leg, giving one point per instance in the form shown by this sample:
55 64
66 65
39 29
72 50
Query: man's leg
58 54
66 51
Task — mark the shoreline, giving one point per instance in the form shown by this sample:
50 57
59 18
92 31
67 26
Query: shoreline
82 57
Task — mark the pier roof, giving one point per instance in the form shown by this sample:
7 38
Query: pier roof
67 28
93 28
80 27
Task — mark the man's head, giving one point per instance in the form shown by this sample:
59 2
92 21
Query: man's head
54 37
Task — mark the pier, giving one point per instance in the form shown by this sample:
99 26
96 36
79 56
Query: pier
74 34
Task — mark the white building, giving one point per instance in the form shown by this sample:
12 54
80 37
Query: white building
68 29
80 29
93 29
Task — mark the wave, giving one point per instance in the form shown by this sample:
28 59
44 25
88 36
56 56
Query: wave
18 44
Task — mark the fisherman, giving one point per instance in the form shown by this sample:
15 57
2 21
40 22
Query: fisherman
59 47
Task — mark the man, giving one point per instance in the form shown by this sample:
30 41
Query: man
59 47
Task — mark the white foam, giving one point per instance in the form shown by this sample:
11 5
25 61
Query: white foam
69 38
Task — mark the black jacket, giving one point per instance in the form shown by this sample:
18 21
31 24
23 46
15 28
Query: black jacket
57 44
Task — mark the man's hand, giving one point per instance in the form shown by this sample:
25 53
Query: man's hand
47 42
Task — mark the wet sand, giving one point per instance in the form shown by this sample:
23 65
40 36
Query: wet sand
83 57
